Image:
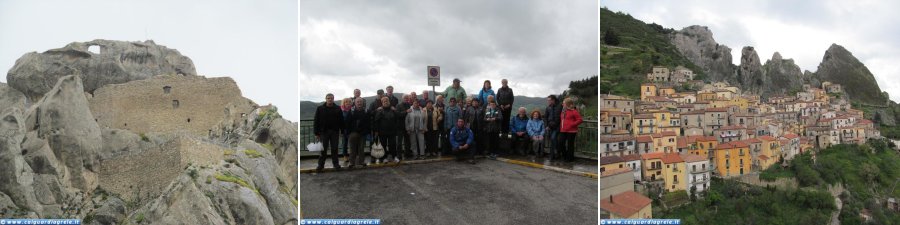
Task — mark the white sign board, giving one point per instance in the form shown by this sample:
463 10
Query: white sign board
434 75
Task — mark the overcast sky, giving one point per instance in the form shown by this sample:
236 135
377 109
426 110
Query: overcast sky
538 45
801 30
254 42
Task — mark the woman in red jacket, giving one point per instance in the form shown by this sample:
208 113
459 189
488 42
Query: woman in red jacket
568 129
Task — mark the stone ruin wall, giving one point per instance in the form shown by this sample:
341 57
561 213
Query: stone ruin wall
145 175
168 103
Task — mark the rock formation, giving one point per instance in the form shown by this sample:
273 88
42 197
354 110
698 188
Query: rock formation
65 153
114 62
696 43
783 76
840 66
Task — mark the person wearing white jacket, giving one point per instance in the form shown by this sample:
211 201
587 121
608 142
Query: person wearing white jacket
415 127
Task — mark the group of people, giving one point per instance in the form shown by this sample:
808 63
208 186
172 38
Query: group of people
464 125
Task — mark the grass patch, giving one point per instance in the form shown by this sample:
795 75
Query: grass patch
228 177
776 171
269 147
144 137
139 218
252 153
228 152
295 202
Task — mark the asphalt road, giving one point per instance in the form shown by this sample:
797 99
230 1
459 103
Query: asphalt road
489 192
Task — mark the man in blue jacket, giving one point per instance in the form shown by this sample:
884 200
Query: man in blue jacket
517 128
451 114
463 141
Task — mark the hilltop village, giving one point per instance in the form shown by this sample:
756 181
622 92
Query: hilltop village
677 138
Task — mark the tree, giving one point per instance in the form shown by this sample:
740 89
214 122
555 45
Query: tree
611 38
693 193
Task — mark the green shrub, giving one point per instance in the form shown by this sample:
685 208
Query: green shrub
228 177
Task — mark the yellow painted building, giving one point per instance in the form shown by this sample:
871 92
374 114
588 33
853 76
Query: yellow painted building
733 158
674 172
651 166
771 149
642 124
647 90
665 142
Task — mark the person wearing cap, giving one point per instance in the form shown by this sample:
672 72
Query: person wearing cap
327 126
505 100
455 91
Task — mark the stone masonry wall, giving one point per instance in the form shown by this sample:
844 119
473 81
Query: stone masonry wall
144 175
167 103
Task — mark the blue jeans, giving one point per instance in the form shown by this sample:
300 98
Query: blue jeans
552 135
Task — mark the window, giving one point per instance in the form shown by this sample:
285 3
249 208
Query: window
167 89
175 104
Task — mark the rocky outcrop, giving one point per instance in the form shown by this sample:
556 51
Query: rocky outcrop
750 73
840 66
63 118
783 76
696 43
112 62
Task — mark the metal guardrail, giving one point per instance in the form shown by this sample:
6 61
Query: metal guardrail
585 143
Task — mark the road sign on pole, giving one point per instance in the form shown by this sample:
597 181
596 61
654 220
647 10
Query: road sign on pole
434 75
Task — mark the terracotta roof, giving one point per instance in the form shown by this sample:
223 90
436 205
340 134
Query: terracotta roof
763 157
720 109
693 158
652 155
790 136
631 157
671 158
644 139
610 160
615 171
644 116
686 106
709 138
753 140
625 204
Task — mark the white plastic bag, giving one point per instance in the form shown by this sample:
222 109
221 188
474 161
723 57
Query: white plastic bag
377 150
315 147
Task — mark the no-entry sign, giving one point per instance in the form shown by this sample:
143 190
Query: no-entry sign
434 76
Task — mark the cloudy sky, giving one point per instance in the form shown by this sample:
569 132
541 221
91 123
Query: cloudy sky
801 30
538 45
254 42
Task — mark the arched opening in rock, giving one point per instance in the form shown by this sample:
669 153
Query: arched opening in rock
167 90
175 104
94 49
189 120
